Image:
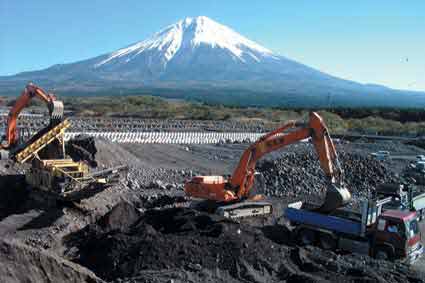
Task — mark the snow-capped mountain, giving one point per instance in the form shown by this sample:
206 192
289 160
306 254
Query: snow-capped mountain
200 55
184 37
193 49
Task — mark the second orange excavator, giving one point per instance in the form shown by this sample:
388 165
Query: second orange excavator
49 171
54 106
232 197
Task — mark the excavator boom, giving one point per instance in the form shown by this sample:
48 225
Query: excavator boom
237 188
55 112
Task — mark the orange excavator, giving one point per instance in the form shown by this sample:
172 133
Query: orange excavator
55 107
232 198
52 174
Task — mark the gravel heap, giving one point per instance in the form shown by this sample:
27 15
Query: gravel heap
298 173
157 178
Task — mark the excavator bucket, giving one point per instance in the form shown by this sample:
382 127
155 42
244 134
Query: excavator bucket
57 111
335 197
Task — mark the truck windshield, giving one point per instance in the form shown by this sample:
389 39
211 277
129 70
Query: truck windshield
412 228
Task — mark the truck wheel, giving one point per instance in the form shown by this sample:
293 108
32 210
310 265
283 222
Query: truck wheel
327 242
382 254
306 237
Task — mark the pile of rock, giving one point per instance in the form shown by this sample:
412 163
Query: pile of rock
298 173
156 178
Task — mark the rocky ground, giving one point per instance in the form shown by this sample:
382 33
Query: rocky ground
141 230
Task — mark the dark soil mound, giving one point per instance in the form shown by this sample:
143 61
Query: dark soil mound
189 241
14 194
21 263
172 238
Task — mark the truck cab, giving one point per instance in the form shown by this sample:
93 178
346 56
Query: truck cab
397 235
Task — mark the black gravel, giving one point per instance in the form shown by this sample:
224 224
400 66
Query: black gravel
194 242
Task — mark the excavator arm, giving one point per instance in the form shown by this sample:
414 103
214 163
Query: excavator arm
243 175
55 112
240 183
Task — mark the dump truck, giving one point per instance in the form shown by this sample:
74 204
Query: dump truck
404 197
383 234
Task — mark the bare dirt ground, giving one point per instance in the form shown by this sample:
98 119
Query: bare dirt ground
151 237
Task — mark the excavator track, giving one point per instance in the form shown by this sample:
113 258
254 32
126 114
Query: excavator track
235 210
245 209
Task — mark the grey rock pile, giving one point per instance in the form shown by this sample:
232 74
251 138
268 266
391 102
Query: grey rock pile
156 178
297 174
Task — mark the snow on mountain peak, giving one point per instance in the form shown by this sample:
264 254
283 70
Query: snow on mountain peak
188 34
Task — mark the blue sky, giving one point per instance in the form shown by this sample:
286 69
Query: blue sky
367 41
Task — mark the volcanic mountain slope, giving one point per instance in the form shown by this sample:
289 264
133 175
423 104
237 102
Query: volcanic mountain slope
203 55
193 49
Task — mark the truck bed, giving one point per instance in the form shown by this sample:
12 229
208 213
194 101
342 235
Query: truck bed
350 212
330 222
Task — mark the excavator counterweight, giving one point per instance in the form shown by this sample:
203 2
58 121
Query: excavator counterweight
233 197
